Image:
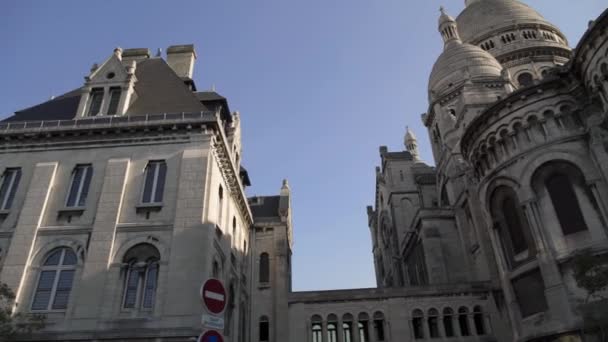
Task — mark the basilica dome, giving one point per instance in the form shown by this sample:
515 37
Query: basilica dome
482 18
459 62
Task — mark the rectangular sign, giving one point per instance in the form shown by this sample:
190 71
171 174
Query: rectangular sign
213 322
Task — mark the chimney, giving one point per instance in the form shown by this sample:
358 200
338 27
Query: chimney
129 55
181 59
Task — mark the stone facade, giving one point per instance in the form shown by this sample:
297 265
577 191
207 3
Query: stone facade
119 198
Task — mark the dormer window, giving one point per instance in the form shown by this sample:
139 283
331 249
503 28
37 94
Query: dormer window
115 93
95 102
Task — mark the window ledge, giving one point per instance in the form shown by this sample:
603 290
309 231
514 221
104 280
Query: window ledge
72 210
4 213
264 285
149 206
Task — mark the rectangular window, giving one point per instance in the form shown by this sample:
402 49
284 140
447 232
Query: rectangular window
530 293
154 183
79 188
114 100
10 182
95 101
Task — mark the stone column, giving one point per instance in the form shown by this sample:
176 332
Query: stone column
370 330
355 330
19 254
324 331
472 328
96 273
555 290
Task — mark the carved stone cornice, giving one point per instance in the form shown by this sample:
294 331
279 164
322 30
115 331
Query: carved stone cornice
230 174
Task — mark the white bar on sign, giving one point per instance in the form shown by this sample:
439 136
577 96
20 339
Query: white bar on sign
214 295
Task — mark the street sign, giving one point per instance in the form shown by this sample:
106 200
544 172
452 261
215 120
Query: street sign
211 336
212 322
213 296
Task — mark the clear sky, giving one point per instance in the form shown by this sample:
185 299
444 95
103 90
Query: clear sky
320 85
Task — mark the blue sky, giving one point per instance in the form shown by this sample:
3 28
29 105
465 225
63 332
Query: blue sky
320 86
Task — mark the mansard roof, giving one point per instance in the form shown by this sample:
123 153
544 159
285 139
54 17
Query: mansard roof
158 88
264 206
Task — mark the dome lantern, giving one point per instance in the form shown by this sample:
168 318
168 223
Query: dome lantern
448 28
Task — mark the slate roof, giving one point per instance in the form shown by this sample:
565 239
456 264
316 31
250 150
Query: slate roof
265 206
158 90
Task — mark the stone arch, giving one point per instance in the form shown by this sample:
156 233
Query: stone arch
539 158
38 256
153 240
487 190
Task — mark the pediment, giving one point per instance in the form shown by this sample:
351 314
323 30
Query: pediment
110 72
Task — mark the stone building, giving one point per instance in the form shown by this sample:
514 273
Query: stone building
117 199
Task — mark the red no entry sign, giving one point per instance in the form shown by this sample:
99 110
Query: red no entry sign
211 336
213 296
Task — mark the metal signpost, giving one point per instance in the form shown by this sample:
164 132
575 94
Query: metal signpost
213 297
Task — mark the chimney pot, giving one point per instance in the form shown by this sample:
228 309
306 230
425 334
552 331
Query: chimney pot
181 59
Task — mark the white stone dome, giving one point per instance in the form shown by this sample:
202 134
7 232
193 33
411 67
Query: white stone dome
460 61
482 17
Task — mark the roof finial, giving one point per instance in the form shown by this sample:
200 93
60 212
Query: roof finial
213 87
159 52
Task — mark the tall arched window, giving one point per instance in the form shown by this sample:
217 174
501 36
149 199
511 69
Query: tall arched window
264 329
347 328
512 225
363 327
220 205
55 280
433 322
565 203
567 188
317 332
332 332
418 324
463 321
141 276
448 322
379 325
478 319
264 268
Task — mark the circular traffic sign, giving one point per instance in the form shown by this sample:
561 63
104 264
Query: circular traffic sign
211 336
213 296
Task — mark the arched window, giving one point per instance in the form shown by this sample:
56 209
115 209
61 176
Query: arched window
478 319
264 329
347 328
234 230
332 332
141 276
565 204
433 322
363 327
379 325
463 321
55 280
512 225
448 322
417 324
264 268
220 204
525 79
229 309
317 332
566 187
